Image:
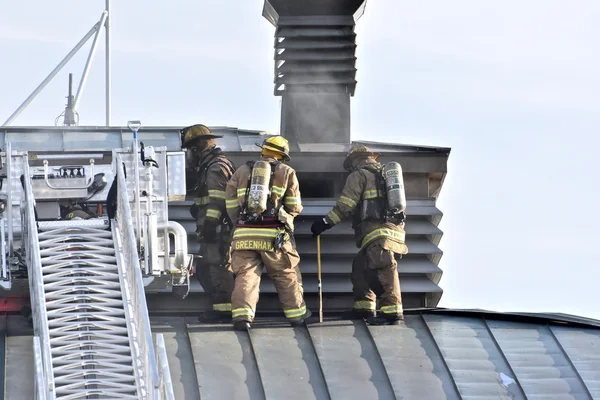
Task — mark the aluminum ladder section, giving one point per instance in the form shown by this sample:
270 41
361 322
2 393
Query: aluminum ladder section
90 341
92 333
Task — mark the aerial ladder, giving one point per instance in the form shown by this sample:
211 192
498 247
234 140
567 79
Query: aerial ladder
88 269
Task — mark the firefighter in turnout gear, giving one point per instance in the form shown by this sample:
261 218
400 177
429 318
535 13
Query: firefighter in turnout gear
263 197
207 173
379 233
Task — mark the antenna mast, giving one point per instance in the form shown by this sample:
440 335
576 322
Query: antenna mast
103 23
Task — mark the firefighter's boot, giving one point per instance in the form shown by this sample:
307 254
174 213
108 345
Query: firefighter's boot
358 314
300 320
384 319
212 316
241 325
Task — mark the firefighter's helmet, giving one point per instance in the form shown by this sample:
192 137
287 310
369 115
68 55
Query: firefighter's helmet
193 133
277 144
358 151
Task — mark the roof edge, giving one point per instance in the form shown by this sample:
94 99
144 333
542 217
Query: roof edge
531 317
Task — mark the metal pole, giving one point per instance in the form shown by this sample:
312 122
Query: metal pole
52 75
134 126
108 72
88 63
319 279
9 206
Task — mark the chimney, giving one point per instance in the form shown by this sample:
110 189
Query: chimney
315 69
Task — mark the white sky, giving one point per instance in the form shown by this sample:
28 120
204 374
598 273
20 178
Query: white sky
513 87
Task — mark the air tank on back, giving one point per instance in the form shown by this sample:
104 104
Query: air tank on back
259 187
394 188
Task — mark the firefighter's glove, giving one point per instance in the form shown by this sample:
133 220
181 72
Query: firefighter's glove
209 230
319 226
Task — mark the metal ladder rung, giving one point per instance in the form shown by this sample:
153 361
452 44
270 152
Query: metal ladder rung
60 239
74 392
83 307
75 319
81 298
97 327
75 247
52 258
90 316
99 355
109 348
99 365
96 289
55 279
115 378
53 307
66 275
78 394
79 264
69 232
59 322
99 336
97 292
113 329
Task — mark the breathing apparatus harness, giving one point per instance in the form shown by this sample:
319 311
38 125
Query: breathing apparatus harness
202 171
267 219
387 213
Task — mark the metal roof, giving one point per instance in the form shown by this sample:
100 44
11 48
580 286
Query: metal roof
433 354
78 138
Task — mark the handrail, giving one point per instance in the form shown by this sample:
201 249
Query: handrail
134 295
38 298
38 370
46 178
165 372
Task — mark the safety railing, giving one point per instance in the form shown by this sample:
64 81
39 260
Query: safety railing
45 383
156 385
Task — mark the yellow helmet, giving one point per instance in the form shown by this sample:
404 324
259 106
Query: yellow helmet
278 144
194 133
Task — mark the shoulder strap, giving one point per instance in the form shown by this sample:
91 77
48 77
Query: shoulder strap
229 166
250 165
380 184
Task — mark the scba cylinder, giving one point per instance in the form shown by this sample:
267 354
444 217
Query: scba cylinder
394 186
259 187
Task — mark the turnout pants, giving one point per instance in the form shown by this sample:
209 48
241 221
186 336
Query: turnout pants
282 267
375 275
214 273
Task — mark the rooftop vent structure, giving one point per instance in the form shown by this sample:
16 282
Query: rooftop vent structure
315 70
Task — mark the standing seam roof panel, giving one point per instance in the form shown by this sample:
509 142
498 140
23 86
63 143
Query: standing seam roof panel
583 348
541 366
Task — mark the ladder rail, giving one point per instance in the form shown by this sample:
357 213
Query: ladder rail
164 371
38 298
134 293
38 369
